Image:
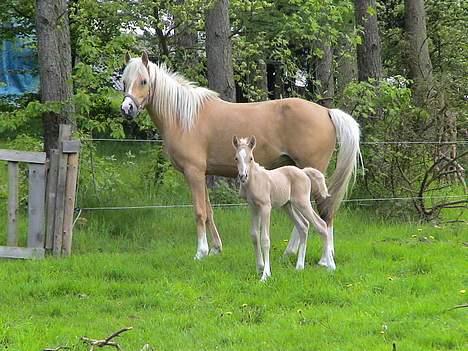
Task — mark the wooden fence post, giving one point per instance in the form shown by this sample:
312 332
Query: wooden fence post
51 197
64 134
73 148
12 239
36 204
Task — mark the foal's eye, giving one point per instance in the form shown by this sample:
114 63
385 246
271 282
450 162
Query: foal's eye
235 158
251 159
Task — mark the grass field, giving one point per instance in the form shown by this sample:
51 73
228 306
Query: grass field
395 283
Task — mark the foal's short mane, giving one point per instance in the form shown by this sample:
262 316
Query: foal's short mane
173 98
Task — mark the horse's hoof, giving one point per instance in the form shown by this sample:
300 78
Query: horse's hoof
330 265
215 251
200 255
300 267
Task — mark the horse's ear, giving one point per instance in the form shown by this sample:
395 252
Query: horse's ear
127 58
144 58
235 141
252 142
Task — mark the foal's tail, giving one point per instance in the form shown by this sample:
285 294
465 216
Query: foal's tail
317 180
348 135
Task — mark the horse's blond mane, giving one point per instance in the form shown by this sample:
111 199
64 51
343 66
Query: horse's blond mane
173 98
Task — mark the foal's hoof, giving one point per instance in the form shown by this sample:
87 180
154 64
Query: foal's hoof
200 255
328 264
215 251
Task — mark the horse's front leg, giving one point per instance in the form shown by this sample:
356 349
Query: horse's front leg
196 181
255 235
265 238
217 244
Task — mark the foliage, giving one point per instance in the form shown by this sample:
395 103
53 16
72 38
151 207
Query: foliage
386 113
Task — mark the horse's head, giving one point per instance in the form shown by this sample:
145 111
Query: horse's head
244 155
136 85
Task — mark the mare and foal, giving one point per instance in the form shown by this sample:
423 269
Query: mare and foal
197 128
286 187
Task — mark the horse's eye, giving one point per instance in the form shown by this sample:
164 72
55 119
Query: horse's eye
235 158
143 82
251 159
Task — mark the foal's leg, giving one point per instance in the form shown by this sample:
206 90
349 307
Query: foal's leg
265 232
255 234
217 245
196 180
302 229
305 208
293 244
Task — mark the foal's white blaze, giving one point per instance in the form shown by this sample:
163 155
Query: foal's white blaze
243 165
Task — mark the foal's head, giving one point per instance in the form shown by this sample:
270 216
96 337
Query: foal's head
244 155
136 84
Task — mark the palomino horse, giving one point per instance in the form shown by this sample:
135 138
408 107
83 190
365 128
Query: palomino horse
197 128
287 187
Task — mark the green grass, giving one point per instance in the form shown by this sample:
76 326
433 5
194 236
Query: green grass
395 282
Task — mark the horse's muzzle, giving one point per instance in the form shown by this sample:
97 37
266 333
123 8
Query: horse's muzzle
128 108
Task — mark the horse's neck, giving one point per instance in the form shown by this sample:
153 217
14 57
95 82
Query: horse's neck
257 175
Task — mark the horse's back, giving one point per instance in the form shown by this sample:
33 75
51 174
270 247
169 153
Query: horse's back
300 129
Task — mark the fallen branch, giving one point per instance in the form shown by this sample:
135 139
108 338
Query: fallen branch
459 306
105 342
58 348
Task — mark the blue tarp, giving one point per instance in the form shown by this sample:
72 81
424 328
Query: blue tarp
18 67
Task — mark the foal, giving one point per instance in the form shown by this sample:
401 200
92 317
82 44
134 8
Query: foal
287 187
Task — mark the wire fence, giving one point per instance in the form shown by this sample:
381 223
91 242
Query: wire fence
243 204
421 142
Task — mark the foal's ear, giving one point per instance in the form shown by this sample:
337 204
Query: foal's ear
144 58
235 141
252 142
127 57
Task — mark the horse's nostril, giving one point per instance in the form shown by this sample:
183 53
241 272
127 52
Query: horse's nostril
130 107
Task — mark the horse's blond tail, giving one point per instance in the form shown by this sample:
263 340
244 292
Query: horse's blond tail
348 135
317 180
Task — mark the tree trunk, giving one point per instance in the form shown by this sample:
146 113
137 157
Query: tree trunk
419 61
368 53
219 52
346 63
324 74
53 43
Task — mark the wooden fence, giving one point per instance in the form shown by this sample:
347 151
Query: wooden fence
51 199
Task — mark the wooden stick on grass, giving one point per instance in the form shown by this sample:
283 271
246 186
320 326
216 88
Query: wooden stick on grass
105 342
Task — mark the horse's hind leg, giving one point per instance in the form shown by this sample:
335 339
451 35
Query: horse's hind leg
302 229
299 224
293 244
305 208
217 244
